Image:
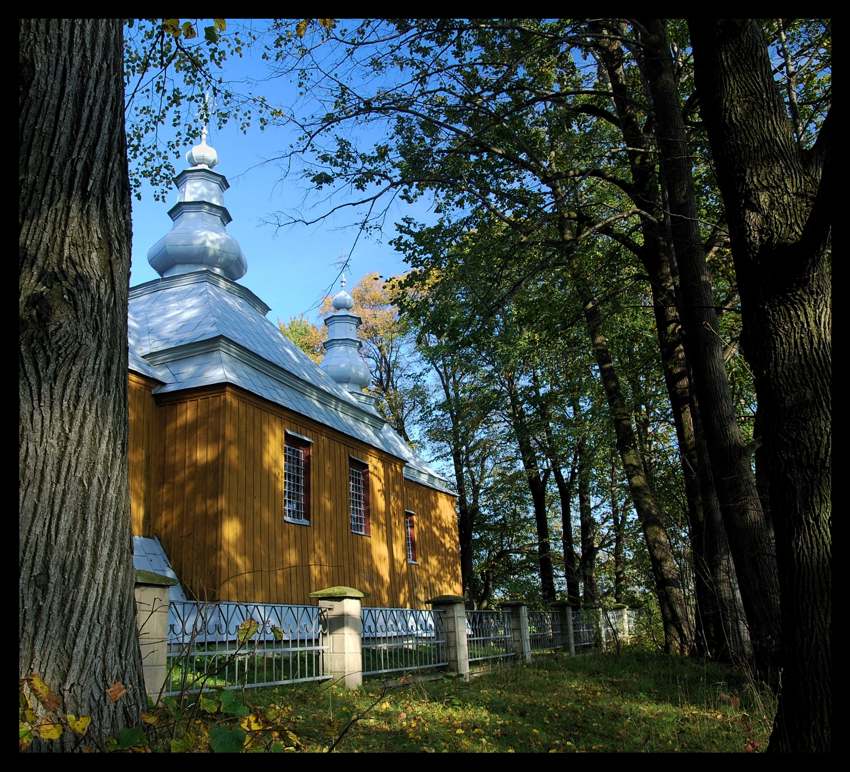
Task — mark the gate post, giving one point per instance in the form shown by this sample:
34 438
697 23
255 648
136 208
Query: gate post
343 653
519 628
565 616
453 610
151 593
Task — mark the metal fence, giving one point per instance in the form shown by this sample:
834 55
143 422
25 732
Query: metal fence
544 630
585 628
402 639
235 645
488 635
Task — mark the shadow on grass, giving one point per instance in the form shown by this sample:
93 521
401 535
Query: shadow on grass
637 702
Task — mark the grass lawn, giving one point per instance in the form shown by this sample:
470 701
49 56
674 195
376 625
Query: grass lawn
636 702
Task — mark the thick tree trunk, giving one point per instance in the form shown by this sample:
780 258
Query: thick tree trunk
779 203
726 624
746 527
76 614
678 628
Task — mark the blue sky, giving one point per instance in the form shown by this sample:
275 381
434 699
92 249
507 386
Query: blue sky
289 269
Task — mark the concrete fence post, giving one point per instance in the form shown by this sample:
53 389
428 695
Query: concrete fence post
151 593
343 653
453 612
565 617
519 629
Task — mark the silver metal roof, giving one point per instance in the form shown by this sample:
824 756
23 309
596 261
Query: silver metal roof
200 328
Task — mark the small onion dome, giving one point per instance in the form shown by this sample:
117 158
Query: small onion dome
343 361
202 155
342 301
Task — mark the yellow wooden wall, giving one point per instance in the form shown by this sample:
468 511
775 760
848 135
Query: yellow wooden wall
144 453
188 514
435 532
216 504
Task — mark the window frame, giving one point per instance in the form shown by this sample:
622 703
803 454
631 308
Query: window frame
305 445
410 537
356 464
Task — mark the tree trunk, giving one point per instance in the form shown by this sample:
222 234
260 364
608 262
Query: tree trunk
467 511
76 614
678 629
655 256
565 494
590 595
618 516
746 527
727 635
779 203
537 487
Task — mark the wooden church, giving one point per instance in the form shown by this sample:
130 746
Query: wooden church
255 474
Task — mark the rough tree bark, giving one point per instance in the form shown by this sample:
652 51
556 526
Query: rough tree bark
779 201
747 528
76 616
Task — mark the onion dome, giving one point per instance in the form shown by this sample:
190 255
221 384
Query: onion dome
343 361
198 240
203 154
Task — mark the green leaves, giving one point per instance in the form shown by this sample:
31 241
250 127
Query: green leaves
209 705
232 704
225 740
132 737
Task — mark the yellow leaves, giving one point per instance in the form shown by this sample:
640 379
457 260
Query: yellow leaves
41 690
48 730
459 731
172 27
79 725
301 27
150 718
247 630
116 691
251 723
25 735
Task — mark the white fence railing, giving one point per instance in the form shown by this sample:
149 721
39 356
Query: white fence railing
402 639
234 645
544 630
488 635
238 645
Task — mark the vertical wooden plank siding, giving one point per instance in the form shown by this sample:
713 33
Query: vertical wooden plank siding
141 411
207 478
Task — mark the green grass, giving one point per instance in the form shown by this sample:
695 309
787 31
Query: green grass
636 702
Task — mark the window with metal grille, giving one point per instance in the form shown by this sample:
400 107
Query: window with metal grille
358 496
296 479
410 537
